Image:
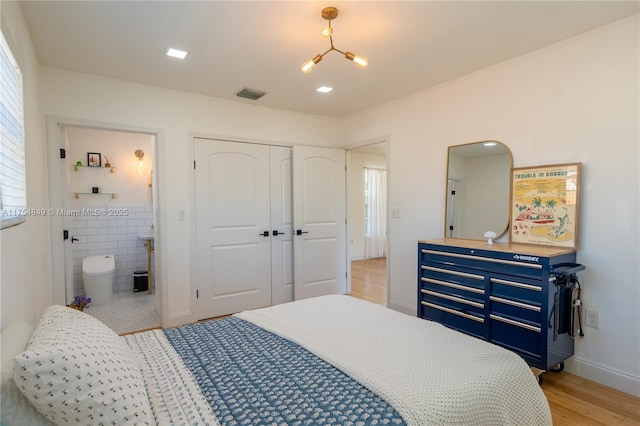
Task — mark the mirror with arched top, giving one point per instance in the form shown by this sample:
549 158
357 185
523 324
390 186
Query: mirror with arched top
478 186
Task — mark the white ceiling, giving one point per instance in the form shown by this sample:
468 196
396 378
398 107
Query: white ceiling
411 45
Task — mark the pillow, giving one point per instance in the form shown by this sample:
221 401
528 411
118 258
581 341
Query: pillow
15 409
15 338
77 370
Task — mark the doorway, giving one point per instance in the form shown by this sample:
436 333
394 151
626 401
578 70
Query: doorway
106 200
367 212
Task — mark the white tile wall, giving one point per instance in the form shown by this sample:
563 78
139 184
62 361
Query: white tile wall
116 235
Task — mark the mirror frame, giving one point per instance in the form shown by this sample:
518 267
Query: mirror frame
499 232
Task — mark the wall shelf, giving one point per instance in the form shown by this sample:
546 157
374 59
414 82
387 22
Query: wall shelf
113 169
78 194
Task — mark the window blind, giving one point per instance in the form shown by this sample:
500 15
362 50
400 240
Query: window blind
13 190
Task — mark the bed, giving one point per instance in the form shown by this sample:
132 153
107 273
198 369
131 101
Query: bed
326 360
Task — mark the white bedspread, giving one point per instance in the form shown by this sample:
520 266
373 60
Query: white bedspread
427 372
173 393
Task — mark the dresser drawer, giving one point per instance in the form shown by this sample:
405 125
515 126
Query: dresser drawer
451 301
516 334
482 260
453 281
516 289
461 321
508 307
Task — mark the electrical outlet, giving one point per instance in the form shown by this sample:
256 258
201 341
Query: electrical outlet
182 215
395 211
591 318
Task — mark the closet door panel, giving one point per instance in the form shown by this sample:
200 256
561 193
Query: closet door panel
233 268
281 226
319 211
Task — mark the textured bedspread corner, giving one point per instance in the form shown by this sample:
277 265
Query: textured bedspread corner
428 373
174 395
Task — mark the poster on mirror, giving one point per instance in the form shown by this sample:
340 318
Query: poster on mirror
545 205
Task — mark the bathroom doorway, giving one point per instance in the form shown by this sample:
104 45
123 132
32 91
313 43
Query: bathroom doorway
367 214
109 200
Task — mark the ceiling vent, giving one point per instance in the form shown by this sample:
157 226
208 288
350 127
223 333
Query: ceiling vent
250 94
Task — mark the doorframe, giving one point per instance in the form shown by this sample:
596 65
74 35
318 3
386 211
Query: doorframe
348 150
55 140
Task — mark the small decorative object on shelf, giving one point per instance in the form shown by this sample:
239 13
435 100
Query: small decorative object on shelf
94 159
80 303
107 161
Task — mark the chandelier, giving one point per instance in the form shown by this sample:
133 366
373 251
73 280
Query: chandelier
330 13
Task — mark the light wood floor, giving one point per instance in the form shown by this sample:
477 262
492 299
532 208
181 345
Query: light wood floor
573 400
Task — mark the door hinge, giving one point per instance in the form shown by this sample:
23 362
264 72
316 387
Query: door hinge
65 235
450 227
194 164
63 153
453 192
197 294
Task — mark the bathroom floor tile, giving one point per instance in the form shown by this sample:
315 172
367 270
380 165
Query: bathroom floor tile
127 312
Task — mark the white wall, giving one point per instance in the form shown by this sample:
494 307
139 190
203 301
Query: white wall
576 101
129 186
25 267
177 117
357 162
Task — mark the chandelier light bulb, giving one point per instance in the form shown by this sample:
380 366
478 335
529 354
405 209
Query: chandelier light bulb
326 32
361 61
308 66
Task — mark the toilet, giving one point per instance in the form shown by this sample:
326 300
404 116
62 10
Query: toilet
97 278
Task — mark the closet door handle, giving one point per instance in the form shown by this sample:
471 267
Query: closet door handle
265 234
276 233
300 232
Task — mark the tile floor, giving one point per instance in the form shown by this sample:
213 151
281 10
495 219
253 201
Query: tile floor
127 312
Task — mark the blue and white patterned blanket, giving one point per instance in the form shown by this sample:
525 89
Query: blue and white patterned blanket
250 376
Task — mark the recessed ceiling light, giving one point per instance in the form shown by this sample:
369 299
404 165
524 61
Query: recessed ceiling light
175 53
324 89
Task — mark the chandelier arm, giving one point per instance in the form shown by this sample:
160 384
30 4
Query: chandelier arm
328 50
338 50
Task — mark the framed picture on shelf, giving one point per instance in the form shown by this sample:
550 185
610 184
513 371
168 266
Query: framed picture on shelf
94 159
545 204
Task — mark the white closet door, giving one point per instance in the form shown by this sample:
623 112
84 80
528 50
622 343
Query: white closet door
319 211
232 202
281 226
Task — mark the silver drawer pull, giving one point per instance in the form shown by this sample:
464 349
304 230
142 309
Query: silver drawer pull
516 323
452 285
514 303
454 298
516 284
448 271
484 259
452 311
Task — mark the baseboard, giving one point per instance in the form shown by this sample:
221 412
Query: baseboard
604 375
405 309
177 319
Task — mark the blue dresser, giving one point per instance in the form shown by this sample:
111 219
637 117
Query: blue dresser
504 293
